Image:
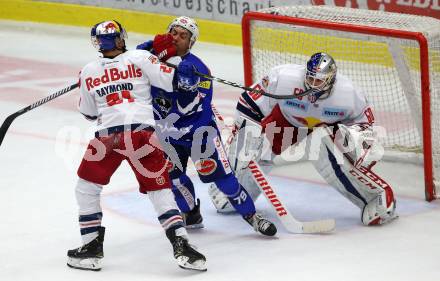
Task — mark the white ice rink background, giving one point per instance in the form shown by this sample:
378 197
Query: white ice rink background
42 149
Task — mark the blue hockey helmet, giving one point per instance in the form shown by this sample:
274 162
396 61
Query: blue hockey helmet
320 73
105 33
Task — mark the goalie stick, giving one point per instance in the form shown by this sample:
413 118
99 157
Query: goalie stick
8 121
290 223
261 92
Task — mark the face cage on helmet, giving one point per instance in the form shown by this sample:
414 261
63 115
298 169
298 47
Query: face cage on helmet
98 44
319 81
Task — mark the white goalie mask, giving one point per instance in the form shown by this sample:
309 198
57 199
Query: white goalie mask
321 73
189 24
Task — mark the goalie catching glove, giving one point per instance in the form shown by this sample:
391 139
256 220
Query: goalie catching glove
359 144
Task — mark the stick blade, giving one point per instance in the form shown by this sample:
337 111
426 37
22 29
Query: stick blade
293 225
321 226
5 126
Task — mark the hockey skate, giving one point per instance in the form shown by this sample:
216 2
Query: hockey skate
186 256
193 219
380 210
88 256
261 224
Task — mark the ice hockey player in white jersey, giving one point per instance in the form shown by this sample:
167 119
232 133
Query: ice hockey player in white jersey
341 120
115 91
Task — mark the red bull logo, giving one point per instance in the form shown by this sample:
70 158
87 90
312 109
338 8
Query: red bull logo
108 27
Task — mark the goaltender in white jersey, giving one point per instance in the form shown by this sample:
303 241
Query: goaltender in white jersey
346 104
339 116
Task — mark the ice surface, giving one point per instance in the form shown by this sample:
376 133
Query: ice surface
40 154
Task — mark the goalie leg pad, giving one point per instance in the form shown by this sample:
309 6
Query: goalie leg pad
220 200
359 184
245 145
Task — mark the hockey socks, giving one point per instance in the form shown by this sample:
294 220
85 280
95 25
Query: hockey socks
184 193
89 226
171 220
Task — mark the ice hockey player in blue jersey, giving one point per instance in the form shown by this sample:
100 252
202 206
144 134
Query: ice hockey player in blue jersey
186 123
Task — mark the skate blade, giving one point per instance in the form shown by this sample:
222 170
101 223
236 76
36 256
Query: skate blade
198 265
93 264
195 226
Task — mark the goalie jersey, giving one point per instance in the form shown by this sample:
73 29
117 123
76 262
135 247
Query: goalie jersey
180 113
346 104
116 92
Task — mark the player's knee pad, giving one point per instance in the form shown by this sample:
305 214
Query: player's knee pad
184 193
162 200
88 196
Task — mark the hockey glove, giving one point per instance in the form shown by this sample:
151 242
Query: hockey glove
163 46
187 79
360 144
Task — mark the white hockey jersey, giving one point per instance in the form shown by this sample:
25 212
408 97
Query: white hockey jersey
117 91
346 104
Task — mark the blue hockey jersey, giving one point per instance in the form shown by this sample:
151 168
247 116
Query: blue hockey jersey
181 113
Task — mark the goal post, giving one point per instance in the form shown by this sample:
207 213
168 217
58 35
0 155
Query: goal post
394 58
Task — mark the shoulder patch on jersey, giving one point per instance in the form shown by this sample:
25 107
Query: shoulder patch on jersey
205 84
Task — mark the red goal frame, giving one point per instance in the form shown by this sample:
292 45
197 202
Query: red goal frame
424 73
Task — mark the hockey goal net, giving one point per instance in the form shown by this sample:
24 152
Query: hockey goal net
394 58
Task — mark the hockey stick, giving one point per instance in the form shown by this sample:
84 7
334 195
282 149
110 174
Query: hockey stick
8 121
261 92
289 222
